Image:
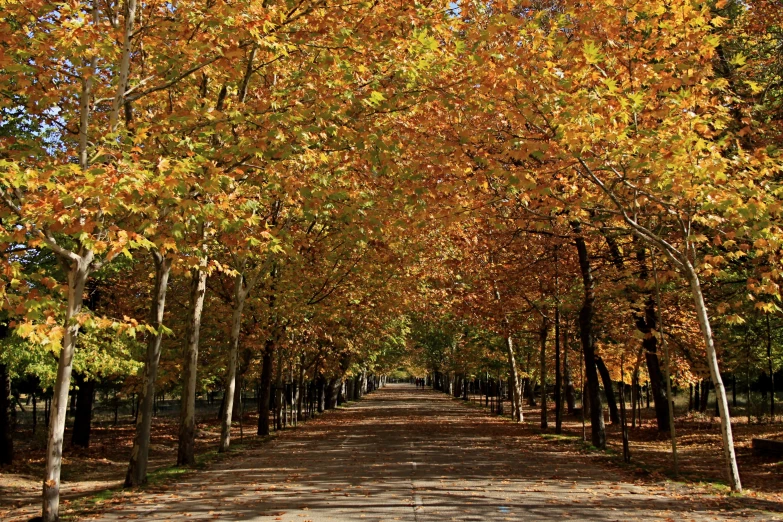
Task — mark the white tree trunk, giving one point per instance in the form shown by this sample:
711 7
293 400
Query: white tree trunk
124 72
187 419
720 392
240 293
137 467
516 389
77 278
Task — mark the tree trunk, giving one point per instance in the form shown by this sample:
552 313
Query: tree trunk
279 397
657 383
720 392
516 389
570 390
349 389
598 430
328 391
6 427
626 448
238 406
771 371
543 333
265 389
35 411
77 279
186 452
733 390
332 392
320 391
299 384
528 387
82 422
646 323
558 378
240 294
340 392
705 395
614 415
357 391
137 468
635 396
585 401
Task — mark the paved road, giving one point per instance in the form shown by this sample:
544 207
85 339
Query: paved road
413 455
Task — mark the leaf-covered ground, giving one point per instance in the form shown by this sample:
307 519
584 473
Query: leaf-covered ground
90 471
698 444
407 454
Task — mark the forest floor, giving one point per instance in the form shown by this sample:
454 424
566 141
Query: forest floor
418 455
699 445
92 471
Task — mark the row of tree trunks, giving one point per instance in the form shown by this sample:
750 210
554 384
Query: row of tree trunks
646 322
700 396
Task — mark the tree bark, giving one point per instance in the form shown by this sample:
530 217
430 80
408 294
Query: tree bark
531 397
6 426
771 371
349 389
357 390
543 333
720 392
241 290
265 389
516 388
568 383
279 391
137 467
82 422
705 395
299 383
657 383
320 393
186 452
646 322
558 377
614 415
597 428
77 279
332 392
